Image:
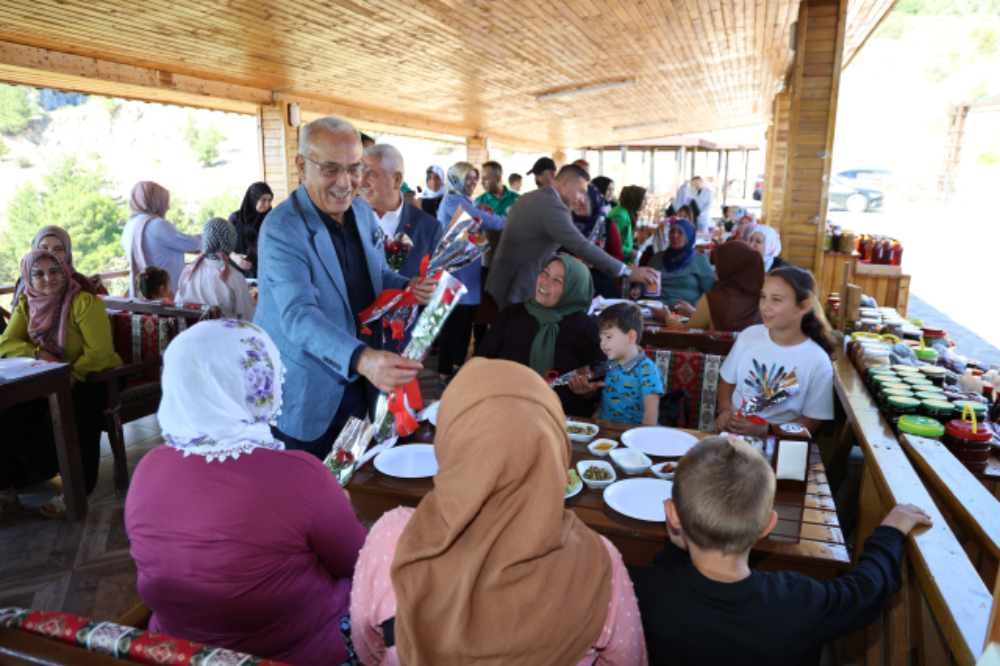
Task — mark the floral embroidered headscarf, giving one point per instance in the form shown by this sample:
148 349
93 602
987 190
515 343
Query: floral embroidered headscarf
221 390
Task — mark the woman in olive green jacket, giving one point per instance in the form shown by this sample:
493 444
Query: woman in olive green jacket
57 322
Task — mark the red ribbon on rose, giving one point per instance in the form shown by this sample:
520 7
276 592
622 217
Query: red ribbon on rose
388 295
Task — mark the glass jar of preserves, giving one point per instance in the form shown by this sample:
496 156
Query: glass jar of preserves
918 382
877 355
937 394
882 384
869 325
871 377
898 406
905 369
939 409
969 442
921 426
935 373
927 354
977 409
883 398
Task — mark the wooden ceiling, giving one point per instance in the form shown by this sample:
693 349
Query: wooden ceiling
446 67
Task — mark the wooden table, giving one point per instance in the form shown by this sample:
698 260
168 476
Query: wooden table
807 538
52 381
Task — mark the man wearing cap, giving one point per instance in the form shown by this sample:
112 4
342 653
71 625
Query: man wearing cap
543 171
538 224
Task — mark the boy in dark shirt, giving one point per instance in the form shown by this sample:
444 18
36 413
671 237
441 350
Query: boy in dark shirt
702 604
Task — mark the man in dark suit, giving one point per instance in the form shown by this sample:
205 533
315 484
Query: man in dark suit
380 187
537 225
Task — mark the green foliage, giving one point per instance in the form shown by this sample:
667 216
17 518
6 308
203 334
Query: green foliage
203 141
984 39
75 194
16 109
4 149
22 162
980 90
987 157
109 104
191 217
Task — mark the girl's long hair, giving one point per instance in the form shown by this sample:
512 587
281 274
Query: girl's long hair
150 281
804 285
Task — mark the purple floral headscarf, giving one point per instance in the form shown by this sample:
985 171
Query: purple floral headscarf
221 390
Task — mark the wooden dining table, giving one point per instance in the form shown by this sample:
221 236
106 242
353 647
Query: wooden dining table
52 381
807 539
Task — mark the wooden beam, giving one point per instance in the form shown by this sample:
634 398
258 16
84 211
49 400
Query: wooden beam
25 64
281 145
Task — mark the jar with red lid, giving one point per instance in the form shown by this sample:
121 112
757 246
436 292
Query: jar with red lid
969 442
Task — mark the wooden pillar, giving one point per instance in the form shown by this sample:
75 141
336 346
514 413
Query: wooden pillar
476 155
600 162
725 181
652 170
279 143
776 173
815 89
681 165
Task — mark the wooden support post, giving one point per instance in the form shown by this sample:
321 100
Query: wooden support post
476 154
280 146
725 181
815 87
600 163
776 173
746 174
681 165
652 170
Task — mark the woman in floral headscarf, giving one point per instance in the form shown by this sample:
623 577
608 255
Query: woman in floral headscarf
220 561
54 320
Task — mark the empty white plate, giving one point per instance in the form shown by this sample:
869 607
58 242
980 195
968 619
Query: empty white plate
641 499
410 461
658 441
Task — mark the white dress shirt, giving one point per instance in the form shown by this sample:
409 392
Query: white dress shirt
390 221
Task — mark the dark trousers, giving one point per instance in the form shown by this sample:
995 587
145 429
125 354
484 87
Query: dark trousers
28 443
321 446
456 334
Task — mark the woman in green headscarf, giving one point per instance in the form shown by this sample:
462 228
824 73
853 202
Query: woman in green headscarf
551 332
626 215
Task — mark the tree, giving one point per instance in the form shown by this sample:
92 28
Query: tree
203 142
191 217
75 194
16 108
4 149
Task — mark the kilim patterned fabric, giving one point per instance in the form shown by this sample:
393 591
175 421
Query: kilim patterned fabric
696 373
127 643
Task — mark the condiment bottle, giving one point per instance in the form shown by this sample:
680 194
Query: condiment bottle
897 253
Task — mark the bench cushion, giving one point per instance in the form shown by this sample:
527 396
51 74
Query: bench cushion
696 373
126 643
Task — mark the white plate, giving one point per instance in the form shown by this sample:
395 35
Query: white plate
658 441
412 461
600 304
641 499
574 493
430 413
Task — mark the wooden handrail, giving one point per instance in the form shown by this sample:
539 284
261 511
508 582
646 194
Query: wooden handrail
967 501
9 288
954 591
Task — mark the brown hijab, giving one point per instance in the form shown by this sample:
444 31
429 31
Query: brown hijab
492 568
735 301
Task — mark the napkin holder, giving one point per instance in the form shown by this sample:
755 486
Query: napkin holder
790 463
793 431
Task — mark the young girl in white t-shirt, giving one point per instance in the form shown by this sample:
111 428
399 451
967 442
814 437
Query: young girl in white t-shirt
792 340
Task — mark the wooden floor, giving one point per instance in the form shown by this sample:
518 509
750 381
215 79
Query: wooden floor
85 568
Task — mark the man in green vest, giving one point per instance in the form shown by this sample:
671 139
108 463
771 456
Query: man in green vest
497 196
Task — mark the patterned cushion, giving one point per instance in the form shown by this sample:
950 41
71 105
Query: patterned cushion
696 373
142 337
127 643
138 392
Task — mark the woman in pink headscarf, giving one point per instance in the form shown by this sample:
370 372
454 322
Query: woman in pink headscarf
149 240
54 320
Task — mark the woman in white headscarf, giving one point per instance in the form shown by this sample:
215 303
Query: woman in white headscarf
239 543
766 240
432 197
149 240
210 280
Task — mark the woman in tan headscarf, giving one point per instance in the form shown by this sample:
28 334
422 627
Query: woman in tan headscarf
149 240
491 567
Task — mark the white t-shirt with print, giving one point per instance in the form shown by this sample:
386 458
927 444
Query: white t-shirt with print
756 363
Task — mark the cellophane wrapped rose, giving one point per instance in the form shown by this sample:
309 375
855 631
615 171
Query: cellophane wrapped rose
348 449
446 296
397 251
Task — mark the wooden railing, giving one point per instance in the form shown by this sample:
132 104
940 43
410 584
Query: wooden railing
110 275
943 610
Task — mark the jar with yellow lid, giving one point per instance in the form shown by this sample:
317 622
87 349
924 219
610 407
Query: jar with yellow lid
883 399
921 426
978 409
898 406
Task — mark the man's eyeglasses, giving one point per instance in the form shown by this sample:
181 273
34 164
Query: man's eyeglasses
335 170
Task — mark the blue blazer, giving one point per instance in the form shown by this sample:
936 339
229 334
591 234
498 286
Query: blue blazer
302 304
425 232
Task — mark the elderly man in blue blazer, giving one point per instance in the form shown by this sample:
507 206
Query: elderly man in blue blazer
318 271
381 188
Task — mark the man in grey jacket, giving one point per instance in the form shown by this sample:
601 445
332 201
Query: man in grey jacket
538 224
